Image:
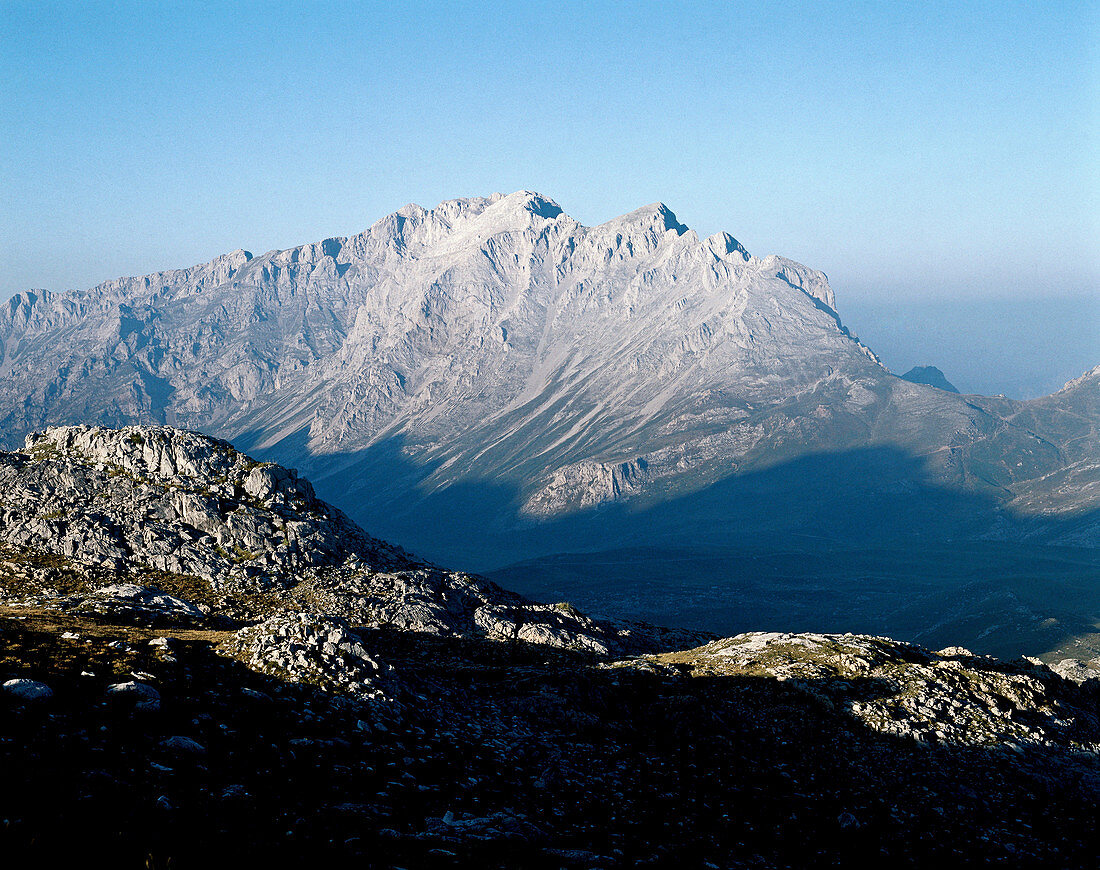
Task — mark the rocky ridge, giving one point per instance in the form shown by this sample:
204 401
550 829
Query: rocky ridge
948 697
176 502
145 506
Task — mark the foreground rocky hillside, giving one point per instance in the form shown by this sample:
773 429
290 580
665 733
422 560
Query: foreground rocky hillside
201 663
102 508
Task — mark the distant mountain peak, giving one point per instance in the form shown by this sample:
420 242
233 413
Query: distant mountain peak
930 376
656 215
727 244
529 200
1091 374
521 201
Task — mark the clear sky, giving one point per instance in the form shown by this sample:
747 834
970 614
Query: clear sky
940 156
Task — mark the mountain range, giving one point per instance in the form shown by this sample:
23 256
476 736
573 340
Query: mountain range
627 415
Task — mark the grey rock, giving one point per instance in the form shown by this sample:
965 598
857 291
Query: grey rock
293 647
28 690
946 697
496 827
170 501
149 598
142 696
183 747
1076 670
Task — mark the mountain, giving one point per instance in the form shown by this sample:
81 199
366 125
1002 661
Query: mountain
494 385
929 375
201 664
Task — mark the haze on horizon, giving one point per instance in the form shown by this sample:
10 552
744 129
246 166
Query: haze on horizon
939 164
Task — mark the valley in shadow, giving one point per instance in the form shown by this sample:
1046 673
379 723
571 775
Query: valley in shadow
861 540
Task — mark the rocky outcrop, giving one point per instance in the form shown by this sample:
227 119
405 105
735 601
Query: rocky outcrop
950 697
159 525
129 602
588 484
175 502
320 650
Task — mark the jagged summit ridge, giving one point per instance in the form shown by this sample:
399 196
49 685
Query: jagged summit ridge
469 309
492 214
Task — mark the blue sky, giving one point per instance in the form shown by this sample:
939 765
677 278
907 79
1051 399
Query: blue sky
924 153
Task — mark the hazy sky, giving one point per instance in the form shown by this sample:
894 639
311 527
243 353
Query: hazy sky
929 157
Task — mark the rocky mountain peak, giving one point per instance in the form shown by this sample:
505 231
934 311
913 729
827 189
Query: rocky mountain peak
724 243
493 344
654 217
498 209
1092 375
530 201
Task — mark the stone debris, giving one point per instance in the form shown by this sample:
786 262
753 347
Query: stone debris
125 602
153 599
473 752
315 649
183 747
497 827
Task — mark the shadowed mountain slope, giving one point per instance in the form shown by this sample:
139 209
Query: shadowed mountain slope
202 664
929 375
